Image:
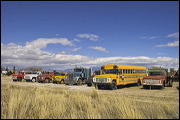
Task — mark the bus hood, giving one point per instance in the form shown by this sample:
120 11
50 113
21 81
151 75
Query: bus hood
106 75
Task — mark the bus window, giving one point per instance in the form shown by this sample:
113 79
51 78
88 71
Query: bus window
129 71
124 71
111 71
120 71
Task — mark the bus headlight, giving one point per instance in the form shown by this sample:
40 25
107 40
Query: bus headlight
108 79
94 79
101 79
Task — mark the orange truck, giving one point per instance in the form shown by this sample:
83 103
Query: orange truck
157 77
46 77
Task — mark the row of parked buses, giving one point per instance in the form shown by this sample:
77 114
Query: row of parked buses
109 75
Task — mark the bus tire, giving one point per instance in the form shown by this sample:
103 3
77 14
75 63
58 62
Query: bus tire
113 86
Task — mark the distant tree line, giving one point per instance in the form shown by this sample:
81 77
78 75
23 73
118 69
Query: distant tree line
27 69
33 69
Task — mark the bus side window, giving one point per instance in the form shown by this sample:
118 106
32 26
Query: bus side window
120 71
129 71
124 71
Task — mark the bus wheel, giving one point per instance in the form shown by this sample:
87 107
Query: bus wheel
113 86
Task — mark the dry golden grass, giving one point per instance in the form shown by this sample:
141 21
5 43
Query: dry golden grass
24 102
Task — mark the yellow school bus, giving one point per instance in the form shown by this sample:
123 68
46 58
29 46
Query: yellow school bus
115 75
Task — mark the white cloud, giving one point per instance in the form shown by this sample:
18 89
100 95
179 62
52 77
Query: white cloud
63 52
147 37
140 60
173 44
174 35
13 54
99 48
76 40
161 53
22 56
92 37
42 42
76 49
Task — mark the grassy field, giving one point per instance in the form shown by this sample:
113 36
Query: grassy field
27 102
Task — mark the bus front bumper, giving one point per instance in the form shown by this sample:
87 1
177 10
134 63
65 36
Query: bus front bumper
104 84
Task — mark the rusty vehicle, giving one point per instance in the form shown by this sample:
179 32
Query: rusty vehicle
46 77
32 77
59 78
20 76
78 76
174 74
157 77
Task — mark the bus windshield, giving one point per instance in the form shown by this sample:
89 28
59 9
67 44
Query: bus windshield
111 71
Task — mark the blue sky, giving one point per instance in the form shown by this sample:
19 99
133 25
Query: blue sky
61 34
